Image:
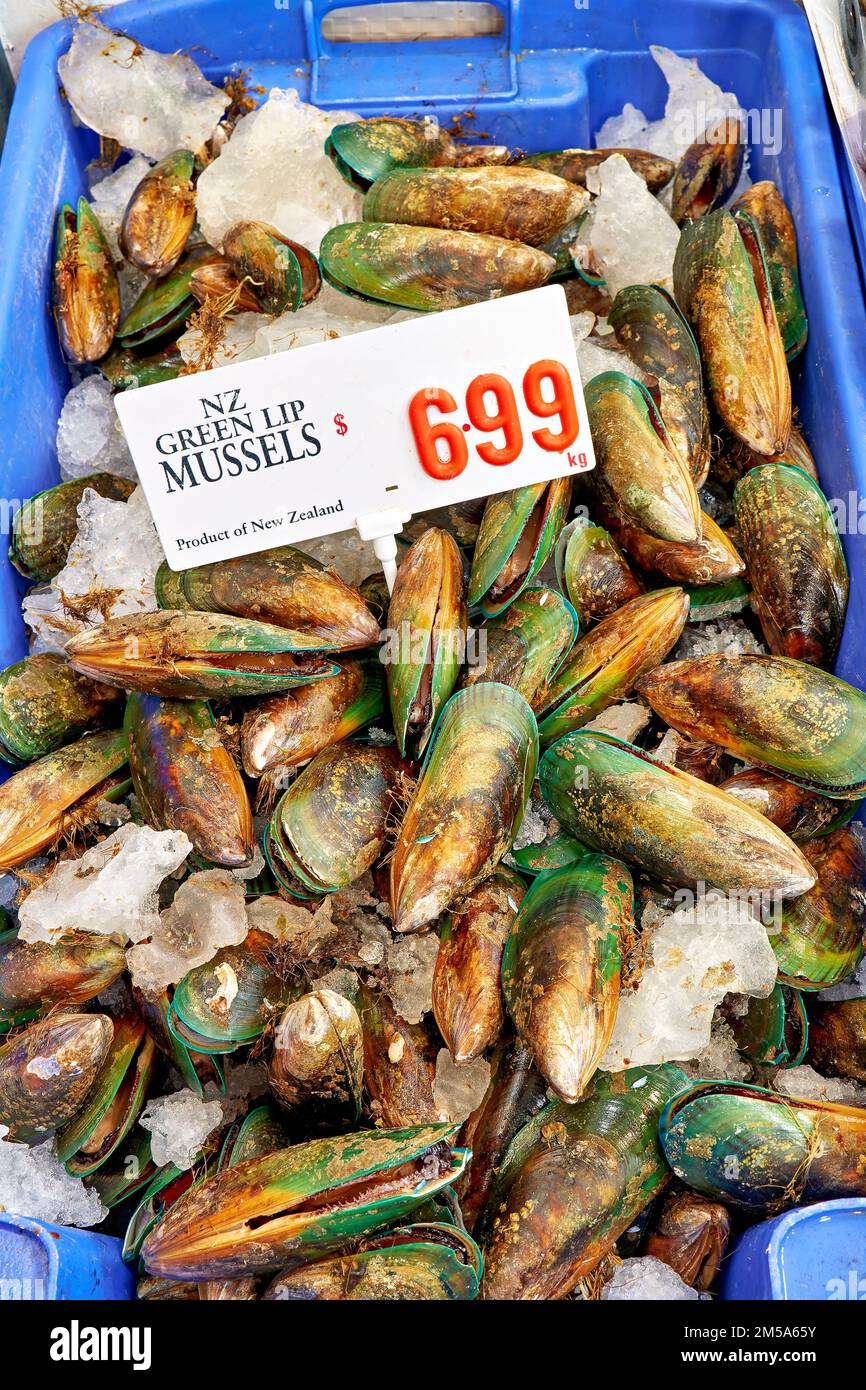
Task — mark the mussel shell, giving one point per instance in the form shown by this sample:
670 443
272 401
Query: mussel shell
593 571
34 976
761 1150
185 778
712 561
561 967
423 1262
801 813
651 327
160 215
45 704
709 170
119 1180
331 824
467 997
286 1209
191 654
428 268
47 1070
764 204
620 801
526 646
287 730
399 1063
283 274
86 293
690 1234
603 666
44 528
573 1179
229 1001
317 1065
795 561
516 202
469 802
774 1031
113 1102
820 938
721 283
517 533
837 1037
281 586
261 1131
364 150
573 164
427 624
770 710
164 305
552 854
639 472
126 369
39 803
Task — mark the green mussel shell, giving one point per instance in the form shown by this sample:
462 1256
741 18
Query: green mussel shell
45 527
517 533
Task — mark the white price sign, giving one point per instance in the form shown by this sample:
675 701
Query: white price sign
361 431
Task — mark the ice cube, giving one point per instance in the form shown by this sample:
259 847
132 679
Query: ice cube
805 1082
459 1087
34 1183
89 437
633 238
208 912
179 1124
646 1278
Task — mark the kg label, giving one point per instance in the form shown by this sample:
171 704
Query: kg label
427 413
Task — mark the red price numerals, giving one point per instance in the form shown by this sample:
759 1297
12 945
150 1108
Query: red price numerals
504 419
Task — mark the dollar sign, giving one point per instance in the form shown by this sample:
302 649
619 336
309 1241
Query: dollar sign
340 422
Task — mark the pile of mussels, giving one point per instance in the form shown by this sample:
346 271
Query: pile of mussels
265 670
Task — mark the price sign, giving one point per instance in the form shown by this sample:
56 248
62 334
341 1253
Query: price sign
361 431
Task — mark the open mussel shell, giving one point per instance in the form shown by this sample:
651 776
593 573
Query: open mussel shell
761 1150
467 996
770 710
517 533
47 1071
160 215
45 704
795 561
651 327
86 292
332 823
190 654
561 967
819 939
620 801
44 528
428 268
365 150
429 1261
426 636
721 284
125 1174
774 1031
469 802
185 778
801 813
281 586
573 1179
113 1102
195 1069
765 206
230 1000
34 976
690 1234
593 571
639 471
573 164
604 664
517 202
282 274
708 172
286 730
526 646
164 305
317 1065
50 797
301 1203
837 1037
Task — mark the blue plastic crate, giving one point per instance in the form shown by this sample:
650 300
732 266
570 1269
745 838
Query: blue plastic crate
550 78
39 1260
816 1253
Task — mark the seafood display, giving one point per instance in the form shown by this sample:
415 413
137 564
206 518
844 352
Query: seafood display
469 936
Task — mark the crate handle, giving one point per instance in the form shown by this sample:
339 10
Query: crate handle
411 21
